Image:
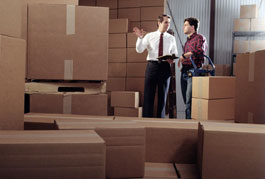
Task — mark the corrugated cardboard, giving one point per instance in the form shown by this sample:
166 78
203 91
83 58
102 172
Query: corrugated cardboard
241 46
69 103
130 112
112 4
215 109
151 13
135 84
117 55
248 11
131 40
149 26
241 24
52 54
117 70
118 26
231 151
133 14
188 171
133 56
113 13
117 40
13 15
159 170
257 24
250 89
129 3
125 145
136 69
52 154
116 84
125 99
257 45
149 3
12 69
213 87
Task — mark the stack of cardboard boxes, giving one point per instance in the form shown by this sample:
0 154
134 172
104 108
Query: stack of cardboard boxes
213 98
65 45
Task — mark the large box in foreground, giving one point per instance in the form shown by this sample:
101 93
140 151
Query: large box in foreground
65 44
12 69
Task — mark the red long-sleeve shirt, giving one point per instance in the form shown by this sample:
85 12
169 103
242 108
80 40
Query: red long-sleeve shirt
196 44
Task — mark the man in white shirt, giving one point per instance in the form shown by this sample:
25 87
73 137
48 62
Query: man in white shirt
157 74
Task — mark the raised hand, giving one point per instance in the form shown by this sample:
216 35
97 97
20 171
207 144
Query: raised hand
138 32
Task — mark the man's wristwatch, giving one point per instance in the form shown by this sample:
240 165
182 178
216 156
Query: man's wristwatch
183 56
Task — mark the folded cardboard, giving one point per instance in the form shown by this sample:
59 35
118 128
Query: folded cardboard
248 11
52 154
133 14
13 15
69 103
136 69
133 56
125 99
117 70
151 13
135 84
58 45
116 84
118 26
130 112
231 151
125 145
117 55
12 68
213 87
117 40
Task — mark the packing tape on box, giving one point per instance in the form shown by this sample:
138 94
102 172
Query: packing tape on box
251 69
68 69
250 117
67 104
70 19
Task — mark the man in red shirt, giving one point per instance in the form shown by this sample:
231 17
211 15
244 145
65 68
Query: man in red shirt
194 47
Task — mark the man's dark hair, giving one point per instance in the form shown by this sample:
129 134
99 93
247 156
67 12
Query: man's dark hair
193 22
161 18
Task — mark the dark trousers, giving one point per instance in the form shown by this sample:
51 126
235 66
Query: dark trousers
186 89
157 75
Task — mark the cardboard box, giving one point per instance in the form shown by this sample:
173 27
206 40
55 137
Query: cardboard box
214 109
117 55
257 45
222 70
69 103
241 25
116 84
136 69
160 170
234 69
151 13
135 84
12 68
113 13
128 99
250 89
241 46
213 87
150 3
112 4
68 61
130 112
131 40
149 26
118 26
13 15
129 3
87 2
133 56
125 145
133 14
117 40
248 11
188 171
231 145
52 154
117 70
257 24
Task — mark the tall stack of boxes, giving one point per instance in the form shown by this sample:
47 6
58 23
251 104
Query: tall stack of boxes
65 45
213 98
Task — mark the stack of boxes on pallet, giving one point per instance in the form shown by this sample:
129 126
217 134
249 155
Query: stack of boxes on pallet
250 88
213 98
65 45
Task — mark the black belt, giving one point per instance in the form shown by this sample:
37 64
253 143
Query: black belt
153 61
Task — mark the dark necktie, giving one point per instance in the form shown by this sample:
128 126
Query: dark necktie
160 49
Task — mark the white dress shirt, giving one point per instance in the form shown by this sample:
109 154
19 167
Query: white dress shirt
151 43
